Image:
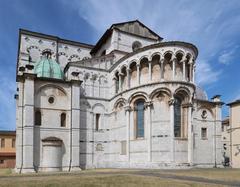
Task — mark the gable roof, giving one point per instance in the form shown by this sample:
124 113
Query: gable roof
150 34
127 27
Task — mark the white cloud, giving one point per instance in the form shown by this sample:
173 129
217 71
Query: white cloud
205 74
101 14
227 56
207 24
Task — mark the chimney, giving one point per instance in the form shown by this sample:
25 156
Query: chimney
216 98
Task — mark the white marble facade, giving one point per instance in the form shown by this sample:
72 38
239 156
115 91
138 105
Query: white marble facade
130 101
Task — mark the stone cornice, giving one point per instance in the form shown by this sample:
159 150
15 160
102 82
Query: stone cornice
128 55
209 102
76 82
154 83
51 37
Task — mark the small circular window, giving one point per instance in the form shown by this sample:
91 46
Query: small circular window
51 100
204 114
136 45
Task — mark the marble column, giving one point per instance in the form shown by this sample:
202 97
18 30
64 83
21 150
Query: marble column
173 68
194 68
120 82
128 78
128 110
162 69
190 72
172 137
115 85
138 74
99 86
92 86
190 135
149 130
150 71
184 70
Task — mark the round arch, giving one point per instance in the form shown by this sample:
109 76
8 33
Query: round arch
132 62
155 54
143 57
164 90
184 93
167 52
52 86
120 101
136 96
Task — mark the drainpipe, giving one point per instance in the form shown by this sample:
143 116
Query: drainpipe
70 162
215 147
230 122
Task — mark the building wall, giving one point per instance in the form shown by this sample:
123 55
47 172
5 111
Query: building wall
212 142
226 151
32 46
7 161
100 110
9 143
7 150
235 139
122 42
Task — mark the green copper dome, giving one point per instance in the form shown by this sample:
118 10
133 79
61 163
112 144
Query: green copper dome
46 67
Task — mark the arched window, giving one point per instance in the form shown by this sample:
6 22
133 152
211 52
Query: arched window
63 120
38 118
116 79
97 121
188 72
177 117
116 86
139 106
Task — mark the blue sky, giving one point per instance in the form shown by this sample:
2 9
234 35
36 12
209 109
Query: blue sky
213 26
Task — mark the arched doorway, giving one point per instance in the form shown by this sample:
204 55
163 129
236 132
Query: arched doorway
52 154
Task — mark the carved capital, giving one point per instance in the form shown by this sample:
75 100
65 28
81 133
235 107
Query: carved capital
114 78
148 104
128 108
171 101
120 74
184 60
173 59
191 61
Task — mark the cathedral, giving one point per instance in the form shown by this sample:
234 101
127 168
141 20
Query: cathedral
129 101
